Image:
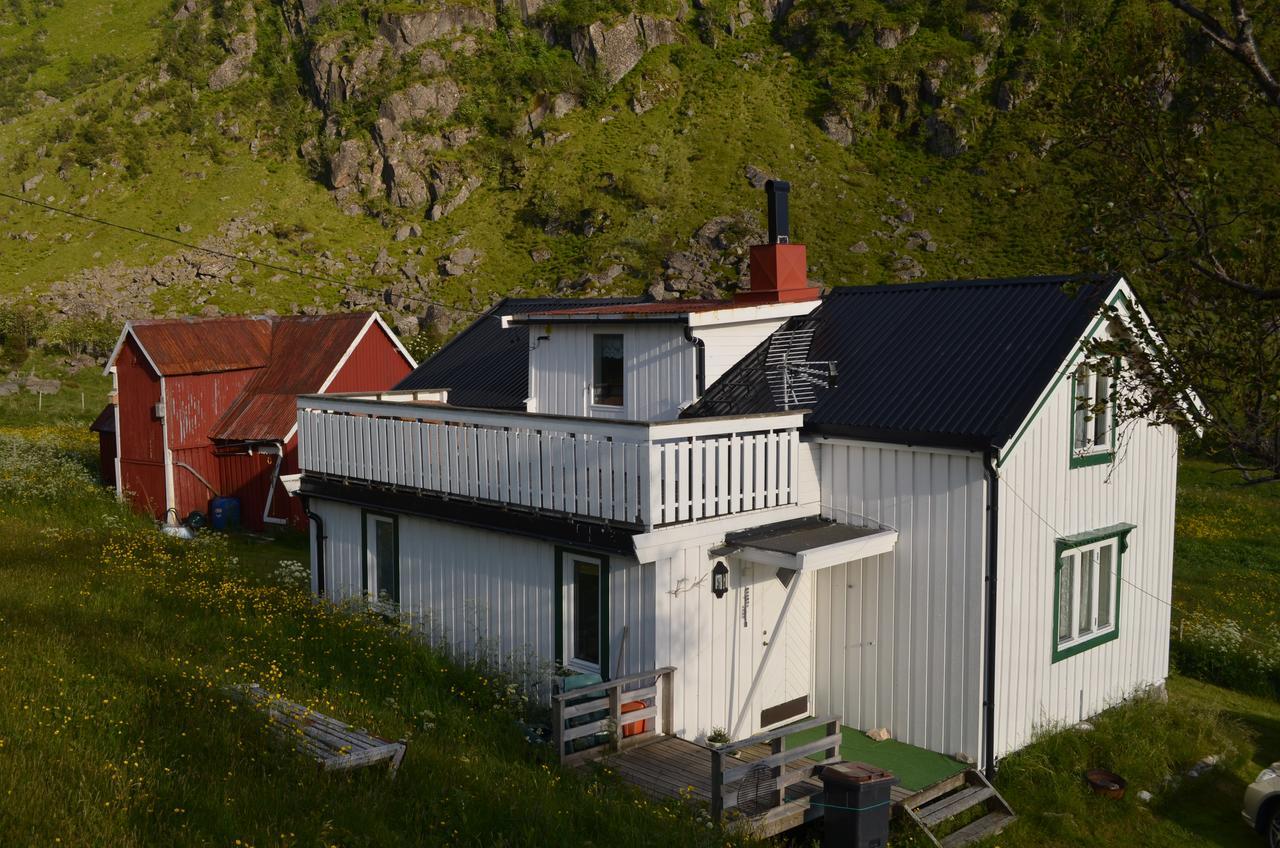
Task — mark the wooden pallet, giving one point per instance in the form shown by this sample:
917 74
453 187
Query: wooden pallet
334 745
940 804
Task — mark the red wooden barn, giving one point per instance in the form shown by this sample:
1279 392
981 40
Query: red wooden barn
206 408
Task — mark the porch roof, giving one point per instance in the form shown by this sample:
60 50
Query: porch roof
808 544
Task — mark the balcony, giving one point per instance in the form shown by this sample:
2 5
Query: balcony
639 475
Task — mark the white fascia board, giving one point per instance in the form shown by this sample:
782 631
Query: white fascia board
665 541
124 334
823 439
826 556
816 559
750 314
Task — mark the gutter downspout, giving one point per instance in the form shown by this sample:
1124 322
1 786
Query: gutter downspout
700 361
320 540
989 682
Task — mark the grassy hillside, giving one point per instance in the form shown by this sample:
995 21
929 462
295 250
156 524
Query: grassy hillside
114 729
137 136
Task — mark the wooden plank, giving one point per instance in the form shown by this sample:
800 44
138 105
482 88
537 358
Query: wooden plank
952 805
593 706
589 729
794 727
988 825
937 790
717 785
735 774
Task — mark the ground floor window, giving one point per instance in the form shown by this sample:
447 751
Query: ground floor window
381 559
1087 589
582 611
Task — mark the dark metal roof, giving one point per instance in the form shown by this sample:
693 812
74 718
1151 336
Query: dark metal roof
798 535
106 420
955 363
304 350
487 366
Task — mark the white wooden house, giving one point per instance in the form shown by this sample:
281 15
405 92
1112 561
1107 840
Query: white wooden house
956 539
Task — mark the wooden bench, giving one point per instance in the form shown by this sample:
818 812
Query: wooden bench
334 745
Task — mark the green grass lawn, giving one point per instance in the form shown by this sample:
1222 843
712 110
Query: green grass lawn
1227 555
115 643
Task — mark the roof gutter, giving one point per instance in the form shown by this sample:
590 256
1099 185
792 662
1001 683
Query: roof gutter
700 361
320 540
990 459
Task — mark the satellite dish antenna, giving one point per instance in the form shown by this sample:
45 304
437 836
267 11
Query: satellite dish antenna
794 379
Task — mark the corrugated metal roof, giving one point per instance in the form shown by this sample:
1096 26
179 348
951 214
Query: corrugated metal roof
487 366
106 420
204 345
304 350
949 363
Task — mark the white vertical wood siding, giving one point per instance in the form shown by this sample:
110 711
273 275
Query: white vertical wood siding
487 593
899 637
1041 499
717 645
725 344
658 375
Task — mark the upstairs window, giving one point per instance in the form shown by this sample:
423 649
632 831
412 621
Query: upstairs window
1093 418
606 370
1087 590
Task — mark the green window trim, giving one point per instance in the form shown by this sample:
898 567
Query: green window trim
562 555
1080 459
365 515
1119 532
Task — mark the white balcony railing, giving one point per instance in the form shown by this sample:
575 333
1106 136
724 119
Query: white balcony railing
639 474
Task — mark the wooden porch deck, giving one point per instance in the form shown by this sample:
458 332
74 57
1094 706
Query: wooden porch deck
671 767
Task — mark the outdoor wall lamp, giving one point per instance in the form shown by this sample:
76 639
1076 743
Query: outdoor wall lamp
720 579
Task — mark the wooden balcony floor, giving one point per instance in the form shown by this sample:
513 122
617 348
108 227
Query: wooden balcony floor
671 767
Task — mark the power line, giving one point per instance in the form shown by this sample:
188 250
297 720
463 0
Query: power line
1047 523
254 262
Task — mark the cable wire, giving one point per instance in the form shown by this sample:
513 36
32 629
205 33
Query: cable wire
1058 534
254 262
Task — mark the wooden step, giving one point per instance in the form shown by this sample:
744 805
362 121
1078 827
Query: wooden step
989 824
948 806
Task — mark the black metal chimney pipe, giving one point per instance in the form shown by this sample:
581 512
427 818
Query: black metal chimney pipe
779 216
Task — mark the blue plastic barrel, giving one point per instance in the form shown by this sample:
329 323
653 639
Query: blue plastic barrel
224 513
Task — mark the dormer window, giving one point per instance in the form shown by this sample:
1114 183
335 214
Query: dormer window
606 371
1093 418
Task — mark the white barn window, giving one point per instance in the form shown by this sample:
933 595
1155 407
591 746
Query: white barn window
1093 416
1087 590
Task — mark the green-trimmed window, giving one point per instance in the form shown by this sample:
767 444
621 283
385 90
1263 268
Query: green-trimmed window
1093 415
1086 593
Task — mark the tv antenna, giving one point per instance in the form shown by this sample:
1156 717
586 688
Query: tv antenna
794 379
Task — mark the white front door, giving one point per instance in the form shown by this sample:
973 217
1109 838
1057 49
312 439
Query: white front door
778 655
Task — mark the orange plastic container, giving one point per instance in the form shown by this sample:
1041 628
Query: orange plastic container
635 728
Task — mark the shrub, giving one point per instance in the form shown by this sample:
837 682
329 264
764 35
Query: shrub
1218 650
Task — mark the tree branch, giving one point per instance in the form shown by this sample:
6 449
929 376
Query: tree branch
1240 45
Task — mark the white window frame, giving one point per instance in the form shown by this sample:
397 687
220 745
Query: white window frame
1093 427
1078 563
606 408
373 591
569 591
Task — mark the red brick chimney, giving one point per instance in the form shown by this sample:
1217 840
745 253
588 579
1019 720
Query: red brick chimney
778 269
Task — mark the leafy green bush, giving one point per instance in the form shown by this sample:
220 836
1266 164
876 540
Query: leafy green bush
1218 650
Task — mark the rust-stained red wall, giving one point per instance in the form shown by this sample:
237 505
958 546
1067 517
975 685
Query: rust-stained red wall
374 366
195 403
141 432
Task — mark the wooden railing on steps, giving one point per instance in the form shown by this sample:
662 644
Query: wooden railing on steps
588 723
788 765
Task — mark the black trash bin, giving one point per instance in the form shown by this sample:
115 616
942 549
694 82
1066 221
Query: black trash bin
856 806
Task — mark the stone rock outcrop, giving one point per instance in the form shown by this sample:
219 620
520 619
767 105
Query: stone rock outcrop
717 259
242 49
356 167
546 107
450 187
406 30
526 9
437 99
943 138
838 127
615 50
338 77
